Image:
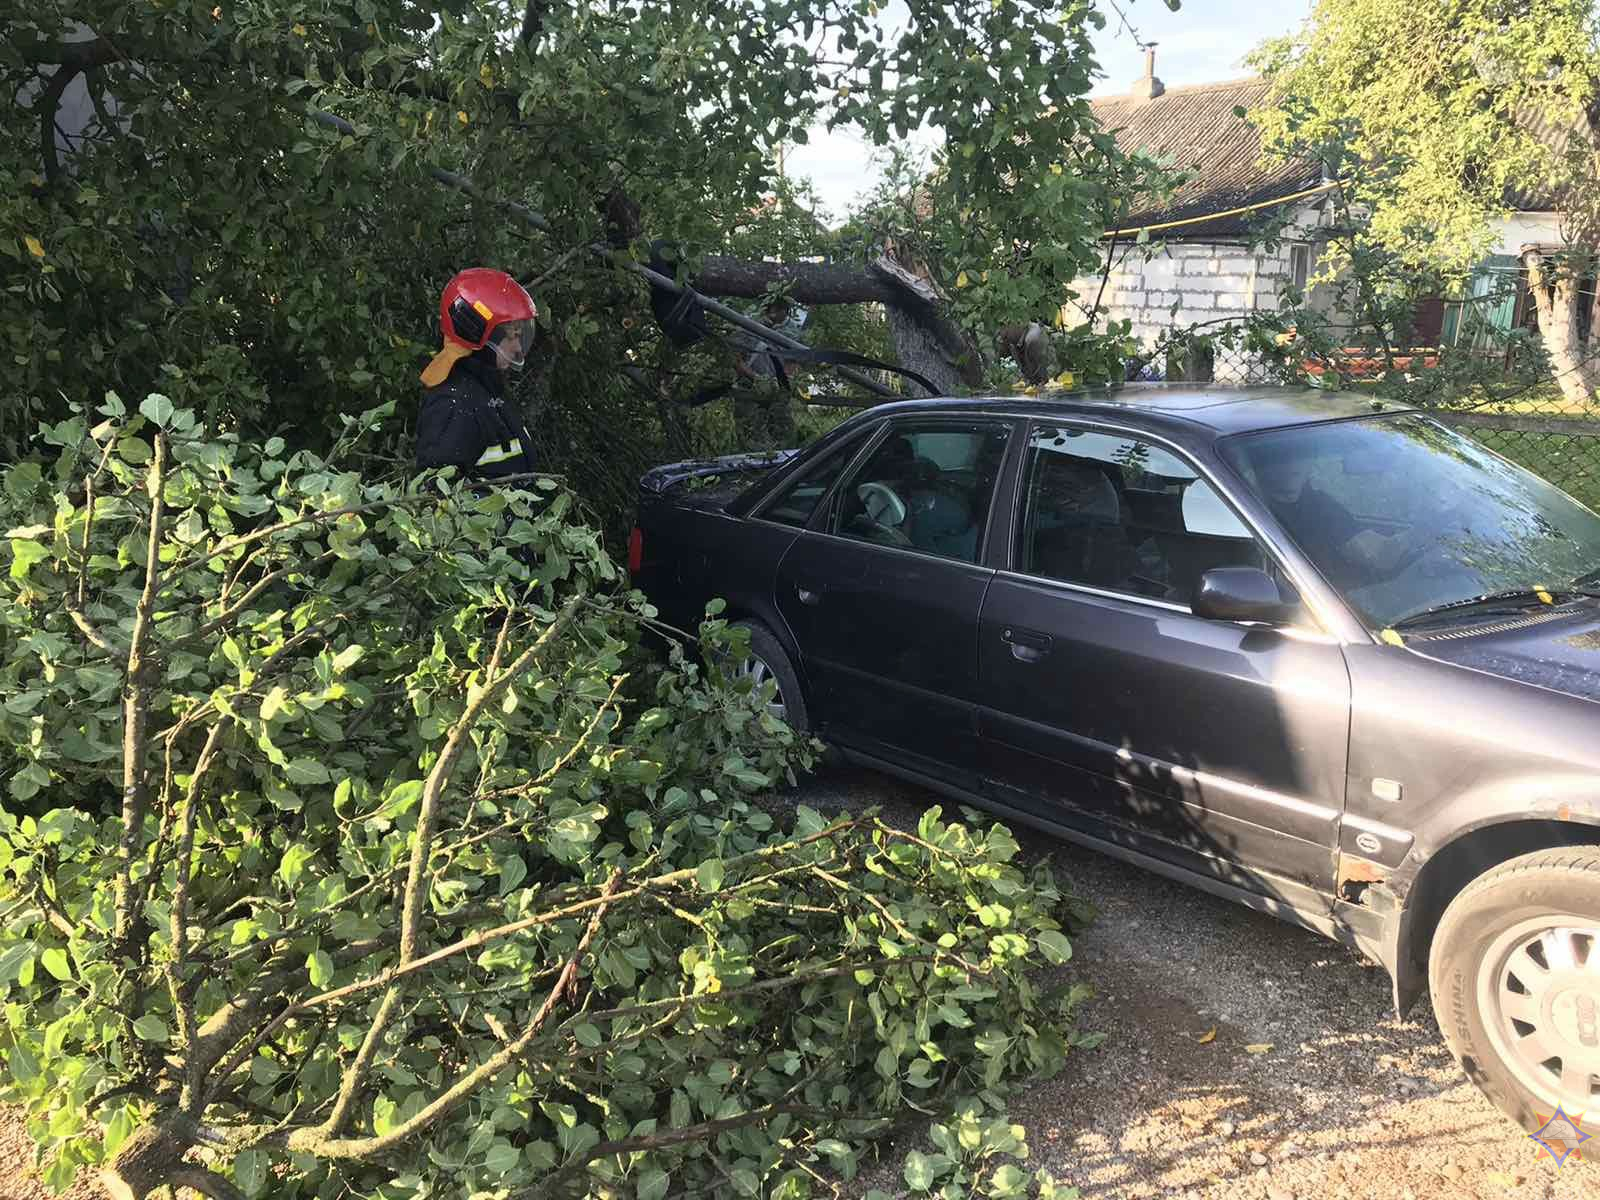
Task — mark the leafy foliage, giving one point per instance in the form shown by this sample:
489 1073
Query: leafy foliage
1443 111
207 238
973 1157
1437 119
352 848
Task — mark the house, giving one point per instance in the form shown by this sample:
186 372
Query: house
1202 266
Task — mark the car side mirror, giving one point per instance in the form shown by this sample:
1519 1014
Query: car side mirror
1244 594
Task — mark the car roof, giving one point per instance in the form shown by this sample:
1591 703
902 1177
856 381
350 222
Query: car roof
1183 410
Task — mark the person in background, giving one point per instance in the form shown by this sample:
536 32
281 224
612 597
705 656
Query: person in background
465 421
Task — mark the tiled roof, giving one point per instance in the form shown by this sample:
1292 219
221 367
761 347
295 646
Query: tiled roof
1194 129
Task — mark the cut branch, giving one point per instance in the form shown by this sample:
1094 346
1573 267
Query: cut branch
315 1141
809 283
136 696
182 998
415 895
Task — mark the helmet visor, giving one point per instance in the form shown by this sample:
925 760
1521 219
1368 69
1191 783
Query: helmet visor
510 341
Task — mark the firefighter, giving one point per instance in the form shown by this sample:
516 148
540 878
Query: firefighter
466 421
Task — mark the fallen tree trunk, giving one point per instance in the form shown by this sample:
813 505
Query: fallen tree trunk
925 340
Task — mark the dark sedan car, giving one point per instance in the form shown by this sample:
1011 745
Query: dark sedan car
1323 656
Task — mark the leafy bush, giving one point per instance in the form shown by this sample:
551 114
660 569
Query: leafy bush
352 848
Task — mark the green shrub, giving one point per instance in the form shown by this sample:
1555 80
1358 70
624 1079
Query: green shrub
352 848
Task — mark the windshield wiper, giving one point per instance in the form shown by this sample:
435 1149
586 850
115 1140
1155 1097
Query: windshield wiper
1587 585
1511 599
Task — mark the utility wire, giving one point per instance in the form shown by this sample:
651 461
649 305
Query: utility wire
1232 212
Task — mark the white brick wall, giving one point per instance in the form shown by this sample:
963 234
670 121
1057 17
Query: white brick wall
1208 281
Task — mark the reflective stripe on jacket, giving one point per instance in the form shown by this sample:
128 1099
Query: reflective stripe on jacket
466 422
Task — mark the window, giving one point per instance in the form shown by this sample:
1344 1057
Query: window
1405 516
1113 512
796 502
926 487
1299 265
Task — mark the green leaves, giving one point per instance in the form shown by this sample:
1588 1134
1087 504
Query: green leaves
709 875
735 964
151 1028
293 863
306 770
157 409
1054 945
250 1171
652 1184
922 1171
319 966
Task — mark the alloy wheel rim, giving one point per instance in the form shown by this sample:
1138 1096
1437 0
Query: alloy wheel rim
759 673
1539 990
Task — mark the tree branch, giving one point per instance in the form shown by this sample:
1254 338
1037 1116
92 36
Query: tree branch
136 694
89 630
415 894
48 102
79 56
212 626
704 1131
439 779
532 21
229 1024
315 1141
207 1183
182 1000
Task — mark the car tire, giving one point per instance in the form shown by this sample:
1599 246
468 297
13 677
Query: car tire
769 660
1514 973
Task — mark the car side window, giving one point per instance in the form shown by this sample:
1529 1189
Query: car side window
1124 515
925 487
797 501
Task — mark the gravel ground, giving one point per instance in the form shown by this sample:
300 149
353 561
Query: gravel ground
1347 1102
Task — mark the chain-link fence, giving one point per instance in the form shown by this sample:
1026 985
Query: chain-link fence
1515 408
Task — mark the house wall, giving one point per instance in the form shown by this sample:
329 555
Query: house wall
1190 283
1513 232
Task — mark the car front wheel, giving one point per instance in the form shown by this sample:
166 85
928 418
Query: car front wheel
1515 977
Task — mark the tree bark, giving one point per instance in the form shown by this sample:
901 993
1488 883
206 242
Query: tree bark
919 350
809 283
1556 289
925 340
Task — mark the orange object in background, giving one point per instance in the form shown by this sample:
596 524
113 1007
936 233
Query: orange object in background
1352 362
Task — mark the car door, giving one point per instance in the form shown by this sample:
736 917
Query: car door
1107 705
882 593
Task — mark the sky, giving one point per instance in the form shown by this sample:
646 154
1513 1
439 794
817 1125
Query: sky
1205 40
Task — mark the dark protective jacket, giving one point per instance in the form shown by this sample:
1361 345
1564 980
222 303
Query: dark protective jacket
467 422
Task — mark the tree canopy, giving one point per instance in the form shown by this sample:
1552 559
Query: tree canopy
180 220
1439 118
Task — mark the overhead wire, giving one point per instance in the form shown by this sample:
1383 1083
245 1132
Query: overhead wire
1136 230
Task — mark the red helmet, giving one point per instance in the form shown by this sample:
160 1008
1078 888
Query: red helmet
482 307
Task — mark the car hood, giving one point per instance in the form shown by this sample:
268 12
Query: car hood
1555 650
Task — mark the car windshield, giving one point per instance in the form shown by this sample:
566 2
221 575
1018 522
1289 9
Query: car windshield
1406 517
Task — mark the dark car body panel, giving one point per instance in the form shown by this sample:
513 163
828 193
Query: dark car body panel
1560 650
1314 771
888 641
1181 734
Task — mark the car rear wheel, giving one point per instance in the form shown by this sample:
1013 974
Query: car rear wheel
1515 977
768 661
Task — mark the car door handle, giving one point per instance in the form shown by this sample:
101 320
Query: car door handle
807 596
1027 645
